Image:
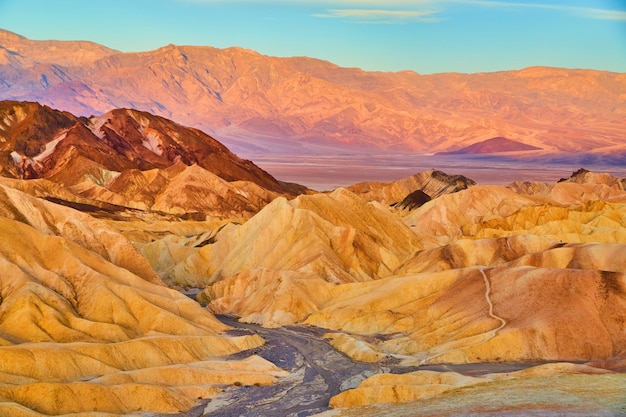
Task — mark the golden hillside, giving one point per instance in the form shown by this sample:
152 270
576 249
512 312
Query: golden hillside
86 325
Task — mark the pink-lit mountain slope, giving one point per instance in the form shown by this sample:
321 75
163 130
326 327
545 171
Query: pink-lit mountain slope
267 104
127 161
40 142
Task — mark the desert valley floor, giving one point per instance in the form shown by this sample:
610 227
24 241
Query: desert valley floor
327 172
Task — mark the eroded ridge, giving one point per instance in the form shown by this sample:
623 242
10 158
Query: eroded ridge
489 335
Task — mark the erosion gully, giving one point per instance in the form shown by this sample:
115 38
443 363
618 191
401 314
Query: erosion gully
317 372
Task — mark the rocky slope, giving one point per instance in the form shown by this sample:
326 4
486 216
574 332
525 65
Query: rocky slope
265 104
84 320
42 142
432 183
310 258
134 160
547 390
277 264
495 276
483 274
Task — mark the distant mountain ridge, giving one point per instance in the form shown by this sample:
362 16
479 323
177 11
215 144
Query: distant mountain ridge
257 103
21 51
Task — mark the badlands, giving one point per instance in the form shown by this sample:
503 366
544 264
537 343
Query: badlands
150 283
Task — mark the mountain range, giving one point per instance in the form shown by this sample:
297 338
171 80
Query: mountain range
261 104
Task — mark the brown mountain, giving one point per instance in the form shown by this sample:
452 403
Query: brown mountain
261 103
40 142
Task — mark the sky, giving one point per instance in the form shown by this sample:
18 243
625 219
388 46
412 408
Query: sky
425 36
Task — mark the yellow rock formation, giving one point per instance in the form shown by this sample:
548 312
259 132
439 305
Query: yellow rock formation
434 183
338 236
273 298
76 227
476 314
391 388
486 274
267 269
446 215
87 326
415 387
595 221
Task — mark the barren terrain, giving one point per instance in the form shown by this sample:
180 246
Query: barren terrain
432 294
319 372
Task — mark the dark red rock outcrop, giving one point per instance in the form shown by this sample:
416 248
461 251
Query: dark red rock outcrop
40 142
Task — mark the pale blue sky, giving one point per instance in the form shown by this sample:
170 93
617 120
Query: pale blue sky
421 35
